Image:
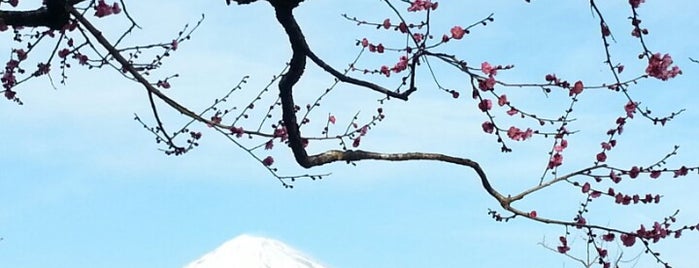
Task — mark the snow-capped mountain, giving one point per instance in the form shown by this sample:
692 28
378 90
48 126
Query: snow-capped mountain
248 251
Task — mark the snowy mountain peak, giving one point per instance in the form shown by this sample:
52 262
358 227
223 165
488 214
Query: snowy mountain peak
248 251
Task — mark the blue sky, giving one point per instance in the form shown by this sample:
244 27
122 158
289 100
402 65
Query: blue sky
83 185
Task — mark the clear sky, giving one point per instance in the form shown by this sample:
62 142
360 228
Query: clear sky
83 185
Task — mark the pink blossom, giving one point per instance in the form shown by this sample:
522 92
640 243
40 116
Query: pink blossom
630 108
268 161
419 5
385 71
103 10
634 171
683 171
561 145
331 119
401 65
628 240
512 111
238 131
586 187
356 141
658 67
519 135
609 237
636 3
457 32
487 84
379 48
269 144
365 42
555 161
502 100
485 105
488 127
577 89
386 23
21 54
601 157
488 69
174 44
403 27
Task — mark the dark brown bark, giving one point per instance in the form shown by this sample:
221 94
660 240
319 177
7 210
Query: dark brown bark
53 15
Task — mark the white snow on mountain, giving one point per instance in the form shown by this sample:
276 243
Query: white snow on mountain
246 251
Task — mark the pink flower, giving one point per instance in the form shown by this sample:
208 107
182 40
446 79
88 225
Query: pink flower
658 67
385 71
365 42
419 5
268 161
561 146
174 44
485 105
512 111
269 145
488 69
563 248
630 109
386 23
586 187
556 160
601 157
609 237
532 214
115 8
403 27
519 135
577 88
457 32
502 100
488 127
634 171
636 3
628 240
238 131
331 119
487 84
102 9
21 54
63 53
356 141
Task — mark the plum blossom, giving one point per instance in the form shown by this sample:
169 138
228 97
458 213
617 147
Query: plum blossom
519 135
103 9
636 3
268 161
658 67
488 127
386 23
577 89
457 32
488 69
485 105
420 5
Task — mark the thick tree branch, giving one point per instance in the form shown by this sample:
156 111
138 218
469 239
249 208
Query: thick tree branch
297 65
53 15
